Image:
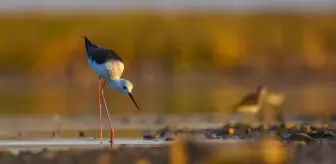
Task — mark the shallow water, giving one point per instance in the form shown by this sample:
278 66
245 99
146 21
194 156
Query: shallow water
74 142
15 146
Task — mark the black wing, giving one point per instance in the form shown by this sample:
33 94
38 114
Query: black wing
101 55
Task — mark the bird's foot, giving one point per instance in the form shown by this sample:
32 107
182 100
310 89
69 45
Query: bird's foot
112 144
101 144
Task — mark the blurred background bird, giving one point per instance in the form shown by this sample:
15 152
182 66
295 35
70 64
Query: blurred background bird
251 103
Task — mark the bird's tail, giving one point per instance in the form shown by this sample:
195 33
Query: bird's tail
89 44
233 109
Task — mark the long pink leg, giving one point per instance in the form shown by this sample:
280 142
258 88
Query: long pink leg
108 115
100 113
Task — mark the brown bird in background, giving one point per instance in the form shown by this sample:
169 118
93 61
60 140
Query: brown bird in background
252 103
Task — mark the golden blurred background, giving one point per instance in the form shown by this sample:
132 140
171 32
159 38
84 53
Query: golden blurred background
180 61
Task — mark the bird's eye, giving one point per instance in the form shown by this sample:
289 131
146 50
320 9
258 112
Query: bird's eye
125 87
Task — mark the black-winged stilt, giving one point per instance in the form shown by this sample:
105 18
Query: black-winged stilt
109 66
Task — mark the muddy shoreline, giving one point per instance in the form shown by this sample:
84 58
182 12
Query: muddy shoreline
185 150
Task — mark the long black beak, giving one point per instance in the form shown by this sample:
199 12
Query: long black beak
130 95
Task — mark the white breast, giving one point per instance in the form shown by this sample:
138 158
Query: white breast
110 69
249 109
115 69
